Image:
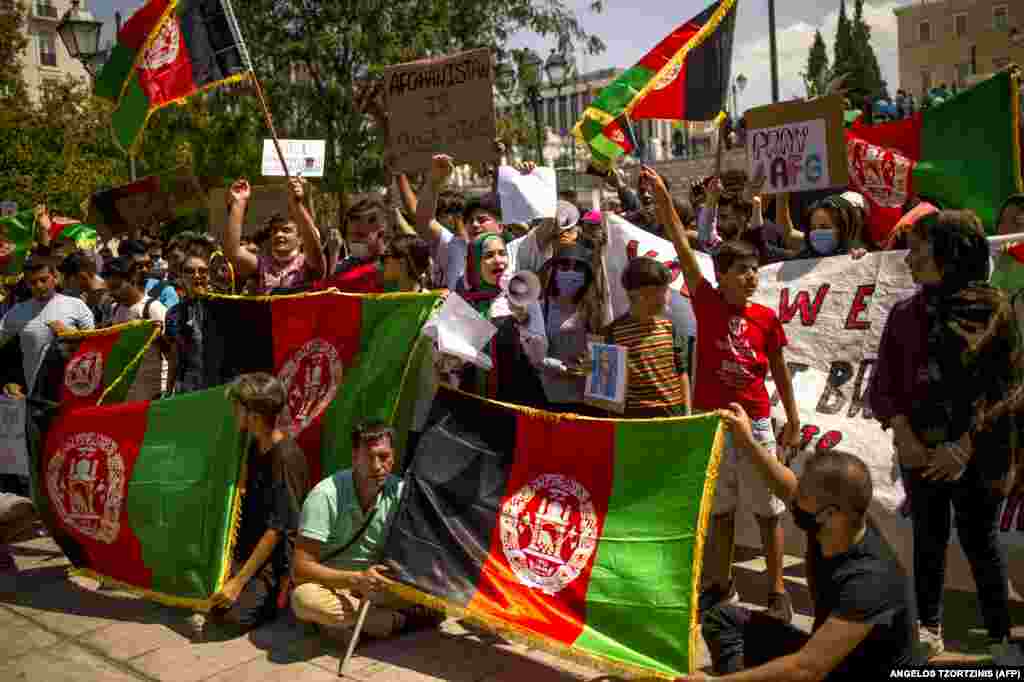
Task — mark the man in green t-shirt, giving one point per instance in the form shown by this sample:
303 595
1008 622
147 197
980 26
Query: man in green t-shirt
342 532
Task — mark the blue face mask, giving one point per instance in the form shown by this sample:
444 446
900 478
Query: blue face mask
569 282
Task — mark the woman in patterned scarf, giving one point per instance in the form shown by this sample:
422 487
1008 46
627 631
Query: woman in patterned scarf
946 353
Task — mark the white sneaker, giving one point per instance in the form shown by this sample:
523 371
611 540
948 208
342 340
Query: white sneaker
1006 655
930 642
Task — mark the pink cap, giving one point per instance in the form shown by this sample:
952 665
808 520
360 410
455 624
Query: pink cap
592 217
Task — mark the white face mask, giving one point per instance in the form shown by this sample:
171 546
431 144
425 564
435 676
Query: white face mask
359 250
569 282
824 242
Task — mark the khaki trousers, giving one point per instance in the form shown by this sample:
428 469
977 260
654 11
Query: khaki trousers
333 608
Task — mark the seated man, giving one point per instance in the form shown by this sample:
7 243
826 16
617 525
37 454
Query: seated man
863 611
276 484
345 521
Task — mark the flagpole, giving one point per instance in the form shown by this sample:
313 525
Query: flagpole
718 149
237 32
270 124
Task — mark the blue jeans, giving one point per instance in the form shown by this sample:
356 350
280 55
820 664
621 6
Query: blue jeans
976 509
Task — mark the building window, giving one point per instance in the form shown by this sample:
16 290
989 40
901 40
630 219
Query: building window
924 31
47 48
960 24
1001 18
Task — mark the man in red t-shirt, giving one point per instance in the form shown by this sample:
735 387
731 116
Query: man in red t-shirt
738 343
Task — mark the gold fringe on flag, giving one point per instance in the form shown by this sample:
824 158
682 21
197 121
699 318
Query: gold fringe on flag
117 329
200 605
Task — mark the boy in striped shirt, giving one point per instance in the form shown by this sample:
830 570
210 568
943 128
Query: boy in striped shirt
657 383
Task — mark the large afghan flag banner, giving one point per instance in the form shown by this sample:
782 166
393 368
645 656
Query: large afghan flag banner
166 52
341 357
684 78
96 367
584 536
964 153
145 493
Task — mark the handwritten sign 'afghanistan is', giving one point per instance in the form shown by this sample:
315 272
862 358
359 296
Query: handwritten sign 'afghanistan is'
441 106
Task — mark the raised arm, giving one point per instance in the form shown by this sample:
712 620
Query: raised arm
427 227
314 255
405 193
792 238
244 262
668 217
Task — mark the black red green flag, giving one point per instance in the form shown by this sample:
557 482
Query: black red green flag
341 357
145 494
581 535
95 367
166 52
685 77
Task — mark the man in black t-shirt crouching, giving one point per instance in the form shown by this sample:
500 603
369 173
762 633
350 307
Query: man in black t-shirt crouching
863 611
276 486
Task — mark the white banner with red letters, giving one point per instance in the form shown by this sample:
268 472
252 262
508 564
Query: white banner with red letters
833 311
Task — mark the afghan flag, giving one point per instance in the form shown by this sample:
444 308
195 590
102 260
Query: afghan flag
685 77
341 357
132 493
581 535
96 367
166 52
83 236
964 153
17 233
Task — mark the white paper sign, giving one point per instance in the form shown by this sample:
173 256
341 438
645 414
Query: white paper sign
461 331
305 158
789 158
525 198
13 452
8 208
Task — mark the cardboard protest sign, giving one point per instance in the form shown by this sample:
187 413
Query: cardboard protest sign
797 146
834 311
443 105
264 203
305 158
145 203
13 451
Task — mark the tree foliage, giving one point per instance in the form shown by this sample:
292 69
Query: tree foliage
314 56
854 56
817 74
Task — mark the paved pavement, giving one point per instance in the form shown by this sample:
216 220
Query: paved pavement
53 629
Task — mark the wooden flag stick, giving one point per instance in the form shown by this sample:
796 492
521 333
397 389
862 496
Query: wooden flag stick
270 124
718 149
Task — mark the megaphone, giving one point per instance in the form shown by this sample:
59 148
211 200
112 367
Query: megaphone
522 288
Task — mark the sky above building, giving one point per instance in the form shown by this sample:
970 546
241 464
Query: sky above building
630 28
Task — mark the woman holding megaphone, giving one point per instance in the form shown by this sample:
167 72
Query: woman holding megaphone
568 276
509 301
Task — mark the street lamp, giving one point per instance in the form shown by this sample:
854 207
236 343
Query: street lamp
737 87
80 33
530 76
557 69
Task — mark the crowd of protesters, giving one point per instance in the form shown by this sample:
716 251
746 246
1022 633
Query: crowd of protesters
939 350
